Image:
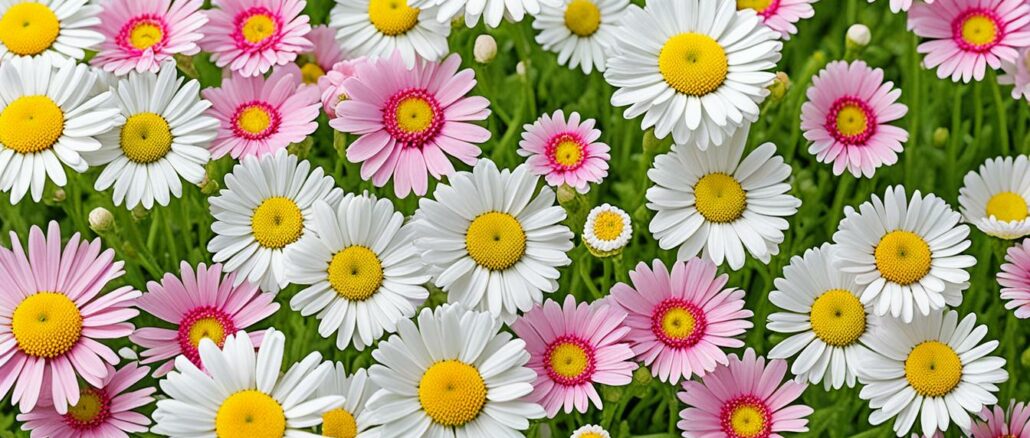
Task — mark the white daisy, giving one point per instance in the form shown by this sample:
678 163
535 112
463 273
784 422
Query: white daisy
240 393
906 255
607 230
828 324
935 369
452 375
590 431
52 29
265 208
492 11
694 68
49 115
580 31
995 199
363 270
491 243
712 200
378 28
350 420
165 137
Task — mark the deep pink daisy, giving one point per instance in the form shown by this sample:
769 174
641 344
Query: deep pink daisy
331 85
743 399
202 305
102 412
410 120
780 15
966 36
679 322
1014 279
571 348
141 34
847 118
565 152
252 36
1013 422
52 312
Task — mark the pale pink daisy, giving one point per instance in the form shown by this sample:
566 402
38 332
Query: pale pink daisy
1014 279
967 36
847 118
331 85
902 5
252 36
565 152
258 116
1017 74
744 399
201 305
1013 422
52 313
680 322
141 34
312 66
780 15
410 120
103 412
571 348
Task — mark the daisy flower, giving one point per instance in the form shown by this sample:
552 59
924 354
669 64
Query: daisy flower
907 256
140 35
902 5
826 322
995 198
265 208
492 244
49 116
327 53
363 271
51 29
53 313
572 347
565 152
202 305
1014 279
105 411
581 32
967 36
695 69
680 321
847 118
351 420
380 28
993 424
241 394
452 374
713 200
259 116
590 431
780 15
934 369
607 230
331 85
1017 74
410 120
491 11
744 398
252 36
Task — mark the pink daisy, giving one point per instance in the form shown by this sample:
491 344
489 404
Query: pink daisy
565 152
102 412
252 36
679 322
1014 279
572 347
141 34
202 305
966 36
316 63
258 116
744 399
52 313
1017 74
992 423
410 120
902 5
846 118
331 85
780 15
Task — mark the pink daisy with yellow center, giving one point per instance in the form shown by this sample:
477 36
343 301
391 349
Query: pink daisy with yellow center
780 15
1014 279
312 66
565 152
995 422
252 36
141 34
331 85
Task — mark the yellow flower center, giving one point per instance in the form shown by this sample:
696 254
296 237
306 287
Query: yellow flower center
254 120
1007 207
339 423
356 273
29 28
250 414
933 369
47 324
838 317
757 5
414 115
146 138
851 120
452 393
979 30
310 73
569 360
89 408
608 225
258 27
582 17
747 421
720 198
495 240
902 257
590 435
209 328
277 222
392 17
568 152
31 124
693 64
678 323
145 35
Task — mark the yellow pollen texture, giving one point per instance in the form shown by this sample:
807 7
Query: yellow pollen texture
31 124
452 393
29 28
258 27
311 72
392 17
88 408
495 240
757 5
678 323
277 222
1007 207
254 120
902 257
838 317
146 138
47 324
569 360
208 328
747 421
250 414
979 30
582 17
851 120
145 35
568 152
720 198
694 64
608 226
355 273
933 369
414 115
339 423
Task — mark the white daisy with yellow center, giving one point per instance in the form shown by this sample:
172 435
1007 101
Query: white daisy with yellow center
590 431
491 11
378 28
265 208
995 199
607 230
350 420
906 255
51 29
364 273
580 31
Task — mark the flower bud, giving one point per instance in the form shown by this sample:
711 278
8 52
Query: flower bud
651 142
940 137
101 220
60 195
858 35
520 68
780 86
485 49
208 186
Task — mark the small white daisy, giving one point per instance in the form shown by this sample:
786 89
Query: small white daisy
378 28
715 201
607 230
580 31
350 420
265 208
452 375
995 198
363 270
590 431
52 29
492 11
907 255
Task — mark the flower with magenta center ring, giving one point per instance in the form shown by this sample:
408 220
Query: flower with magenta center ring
252 36
993 424
141 34
565 152
780 15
